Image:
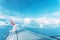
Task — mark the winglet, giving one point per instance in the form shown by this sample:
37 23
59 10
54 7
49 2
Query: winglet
12 23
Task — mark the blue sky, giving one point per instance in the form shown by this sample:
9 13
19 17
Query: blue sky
43 11
30 8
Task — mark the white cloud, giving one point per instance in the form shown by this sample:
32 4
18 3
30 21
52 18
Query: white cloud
48 21
41 21
3 23
2 17
55 21
27 21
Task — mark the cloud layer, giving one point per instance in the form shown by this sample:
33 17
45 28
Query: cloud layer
42 21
